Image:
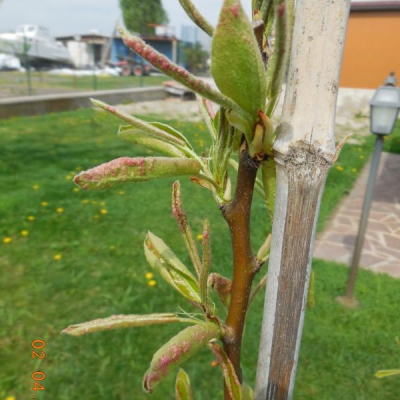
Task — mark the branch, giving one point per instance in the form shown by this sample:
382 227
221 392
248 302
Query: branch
237 215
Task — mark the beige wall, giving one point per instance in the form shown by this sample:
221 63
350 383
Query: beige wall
372 49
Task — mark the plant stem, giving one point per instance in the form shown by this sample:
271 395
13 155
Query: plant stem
237 215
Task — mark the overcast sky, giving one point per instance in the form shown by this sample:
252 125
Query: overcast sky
69 17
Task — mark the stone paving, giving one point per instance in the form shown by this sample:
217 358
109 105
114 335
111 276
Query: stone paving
381 250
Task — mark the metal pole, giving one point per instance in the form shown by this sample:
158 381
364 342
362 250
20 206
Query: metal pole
27 66
94 67
349 296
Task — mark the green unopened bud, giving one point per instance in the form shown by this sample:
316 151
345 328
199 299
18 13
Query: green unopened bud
236 62
256 146
263 252
183 390
268 133
140 169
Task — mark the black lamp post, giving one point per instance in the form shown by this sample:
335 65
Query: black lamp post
384 110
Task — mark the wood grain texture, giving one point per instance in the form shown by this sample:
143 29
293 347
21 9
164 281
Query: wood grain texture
307 171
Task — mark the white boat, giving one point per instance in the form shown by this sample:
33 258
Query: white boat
40 47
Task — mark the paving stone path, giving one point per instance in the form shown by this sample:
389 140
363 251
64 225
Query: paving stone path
381 250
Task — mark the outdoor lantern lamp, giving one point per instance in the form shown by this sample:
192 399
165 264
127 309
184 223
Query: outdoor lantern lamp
385 106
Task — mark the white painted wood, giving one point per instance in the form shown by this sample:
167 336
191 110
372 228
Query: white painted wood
307 121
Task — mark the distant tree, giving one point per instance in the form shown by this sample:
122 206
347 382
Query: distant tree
195 57
138 14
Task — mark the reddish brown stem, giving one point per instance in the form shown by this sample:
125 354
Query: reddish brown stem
237 215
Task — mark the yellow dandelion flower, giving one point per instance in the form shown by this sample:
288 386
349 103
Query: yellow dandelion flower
76 190
57 257
96 216
361 157
339 168
214 363
121 192
60 210
102 203
78 169
7 240
10 398
152 283
31 218
199 236
112 247
68 177
86 201
103 211
35 187
44 203
354 170
24 232
149 275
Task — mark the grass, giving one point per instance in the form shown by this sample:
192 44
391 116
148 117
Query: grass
15 84
79 263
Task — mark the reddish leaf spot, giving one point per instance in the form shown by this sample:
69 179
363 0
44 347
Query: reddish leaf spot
235 10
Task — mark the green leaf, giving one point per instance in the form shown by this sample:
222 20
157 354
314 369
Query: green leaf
122 321
144 126
387 372
241 124
196 17
247 392
181 218
206 262
180 348
139 169
268 170
173 132
236 62
231 380
183 388
161 258
142 138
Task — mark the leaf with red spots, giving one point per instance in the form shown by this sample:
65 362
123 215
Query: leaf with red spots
179 349
123 321
236 62
231 380
183 390
126 169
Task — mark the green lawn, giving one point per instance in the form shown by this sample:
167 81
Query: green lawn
73 256
13 84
